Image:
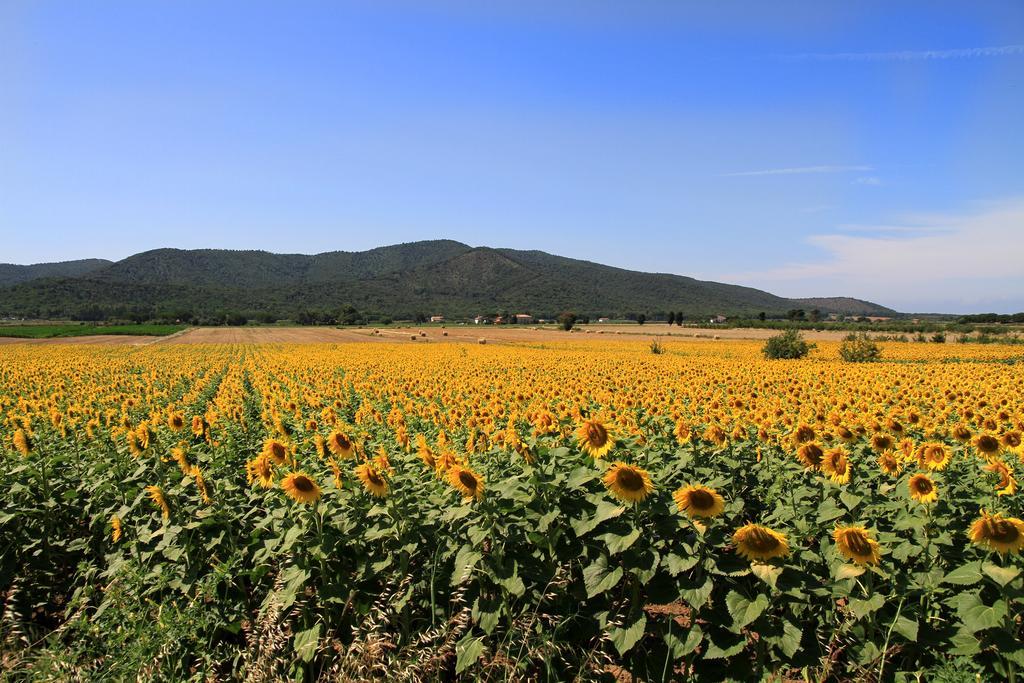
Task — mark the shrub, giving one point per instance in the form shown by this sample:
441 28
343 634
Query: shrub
567 320
656 348
939 338
789 344
858 348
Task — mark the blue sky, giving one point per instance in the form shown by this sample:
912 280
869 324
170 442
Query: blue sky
869 149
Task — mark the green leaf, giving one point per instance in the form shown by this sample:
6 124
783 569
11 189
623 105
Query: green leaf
616 544
579 476
848 571
467 652
597 577
906 628
1001 575
976 615
744 611
862 608
625 637
766 572
850 500
682 644
465 562
828 511
789 642
723 650
306 642
677 564
605 510
966 575
696 597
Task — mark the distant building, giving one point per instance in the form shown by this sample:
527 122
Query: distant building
437 318
523 318
718 319
604 320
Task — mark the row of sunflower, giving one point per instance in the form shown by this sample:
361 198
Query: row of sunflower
701 513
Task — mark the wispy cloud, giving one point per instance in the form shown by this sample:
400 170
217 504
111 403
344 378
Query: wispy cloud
910 55
868 180
799 170
951 262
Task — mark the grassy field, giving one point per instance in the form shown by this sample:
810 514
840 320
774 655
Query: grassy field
580 509
57 331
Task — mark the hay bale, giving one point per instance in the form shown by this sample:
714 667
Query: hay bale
481 340
444 334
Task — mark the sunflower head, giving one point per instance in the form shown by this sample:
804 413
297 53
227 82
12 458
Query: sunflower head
836 465
373 480
810 454
756 542
156 495
628 483
855 543
697 501
923 489
889 463
341 445
275 451
260 471
882 442
1007 484
115 525
1002 534
594 438
986 445
301 488
176 422
22 442
466 481
934 456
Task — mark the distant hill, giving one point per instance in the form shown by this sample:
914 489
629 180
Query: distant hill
431 277
11 274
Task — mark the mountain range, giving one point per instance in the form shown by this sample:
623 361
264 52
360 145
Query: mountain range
429 277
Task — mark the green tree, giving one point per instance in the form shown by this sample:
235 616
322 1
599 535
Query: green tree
567 320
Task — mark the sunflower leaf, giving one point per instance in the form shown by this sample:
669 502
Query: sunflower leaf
616 543
306 642
625 637
597 577
862 608
1001 575
605 510
744 611
467 652
965 575
976 615
766 572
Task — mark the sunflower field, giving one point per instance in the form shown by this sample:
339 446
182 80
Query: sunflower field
583 510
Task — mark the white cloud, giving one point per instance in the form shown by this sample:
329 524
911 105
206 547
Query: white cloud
799 170
941 262
911 55
867 180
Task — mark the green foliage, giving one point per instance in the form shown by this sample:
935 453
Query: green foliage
567 320
789 344
859 348
433 277
51 331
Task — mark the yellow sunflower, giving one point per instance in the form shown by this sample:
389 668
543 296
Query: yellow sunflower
882 442
1007 483
855 543
836 466
22 442
987 445
342 446
275 450
156 495
176 422
934 456
923 489
889 463
260 470
1002 534
810 454
756 542
628 482
466 481
698 500
374 482
300 487
115 524
594 438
